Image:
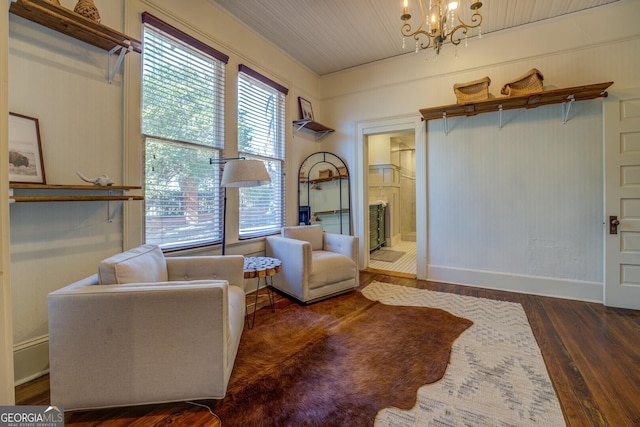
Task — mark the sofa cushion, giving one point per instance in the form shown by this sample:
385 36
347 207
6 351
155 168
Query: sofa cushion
311 233
144 264
330 267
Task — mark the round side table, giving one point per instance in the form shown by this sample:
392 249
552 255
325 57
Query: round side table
261 268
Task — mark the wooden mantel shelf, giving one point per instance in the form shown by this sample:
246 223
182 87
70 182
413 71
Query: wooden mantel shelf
72 24
531 100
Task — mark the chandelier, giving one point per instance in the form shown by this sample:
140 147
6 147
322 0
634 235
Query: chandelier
439 23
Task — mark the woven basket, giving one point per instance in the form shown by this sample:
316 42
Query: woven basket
477 90
87 9
325 173
530 82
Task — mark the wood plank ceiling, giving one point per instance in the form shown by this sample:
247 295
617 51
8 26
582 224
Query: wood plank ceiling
332 35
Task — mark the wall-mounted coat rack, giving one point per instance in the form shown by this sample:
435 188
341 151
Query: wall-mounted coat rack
565 96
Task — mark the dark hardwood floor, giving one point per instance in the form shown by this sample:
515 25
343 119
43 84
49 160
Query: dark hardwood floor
592 353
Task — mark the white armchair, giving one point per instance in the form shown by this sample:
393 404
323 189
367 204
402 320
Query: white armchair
315 264
146 329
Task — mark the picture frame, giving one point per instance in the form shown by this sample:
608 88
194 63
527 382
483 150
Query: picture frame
306 112
25 150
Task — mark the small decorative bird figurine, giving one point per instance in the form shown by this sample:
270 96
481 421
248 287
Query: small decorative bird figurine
101 180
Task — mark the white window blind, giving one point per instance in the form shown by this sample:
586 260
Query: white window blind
261 136
182 120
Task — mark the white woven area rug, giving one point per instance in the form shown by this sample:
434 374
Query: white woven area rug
496 375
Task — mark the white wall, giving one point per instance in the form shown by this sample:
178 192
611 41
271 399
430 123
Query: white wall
518 208
92 126
63 83
7 394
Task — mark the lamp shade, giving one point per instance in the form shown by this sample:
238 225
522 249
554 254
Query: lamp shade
244 173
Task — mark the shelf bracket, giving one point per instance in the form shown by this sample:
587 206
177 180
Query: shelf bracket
117 207
115 210
302 125
123 51
322 135
446 124
566 107
500 116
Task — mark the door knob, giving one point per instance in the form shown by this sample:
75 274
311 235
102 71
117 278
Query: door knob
613 225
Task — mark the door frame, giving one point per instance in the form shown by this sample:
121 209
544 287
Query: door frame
361 191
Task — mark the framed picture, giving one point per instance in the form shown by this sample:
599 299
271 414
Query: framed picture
305 109
25 150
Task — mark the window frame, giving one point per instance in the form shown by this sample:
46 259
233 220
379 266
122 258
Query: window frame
214 147
272 161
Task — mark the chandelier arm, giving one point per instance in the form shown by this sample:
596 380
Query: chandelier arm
416 35
476 19
426 35
406 30
406 27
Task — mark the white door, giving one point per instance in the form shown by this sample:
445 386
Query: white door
622 199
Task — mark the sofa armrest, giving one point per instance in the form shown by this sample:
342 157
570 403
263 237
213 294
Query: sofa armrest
296 254
132 340
342 244
297 264
228 267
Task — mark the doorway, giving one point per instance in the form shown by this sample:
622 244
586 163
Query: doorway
411 124
392 202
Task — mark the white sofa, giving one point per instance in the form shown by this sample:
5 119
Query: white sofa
146 329
315 264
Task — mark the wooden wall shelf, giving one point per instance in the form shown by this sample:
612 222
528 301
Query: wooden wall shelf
531 100
29 186
68 22
328 179
70 193
72 24
319 129
65 193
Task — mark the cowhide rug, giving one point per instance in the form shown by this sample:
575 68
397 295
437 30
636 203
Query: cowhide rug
336 363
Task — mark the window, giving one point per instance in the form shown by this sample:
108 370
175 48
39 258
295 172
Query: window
182 121
261 135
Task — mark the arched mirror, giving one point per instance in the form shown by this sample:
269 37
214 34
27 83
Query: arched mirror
323 193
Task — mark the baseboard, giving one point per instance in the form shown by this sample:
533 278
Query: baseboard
31 359
393 240
536 285
390 273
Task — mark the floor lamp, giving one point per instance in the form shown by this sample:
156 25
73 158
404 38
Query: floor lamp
241 173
